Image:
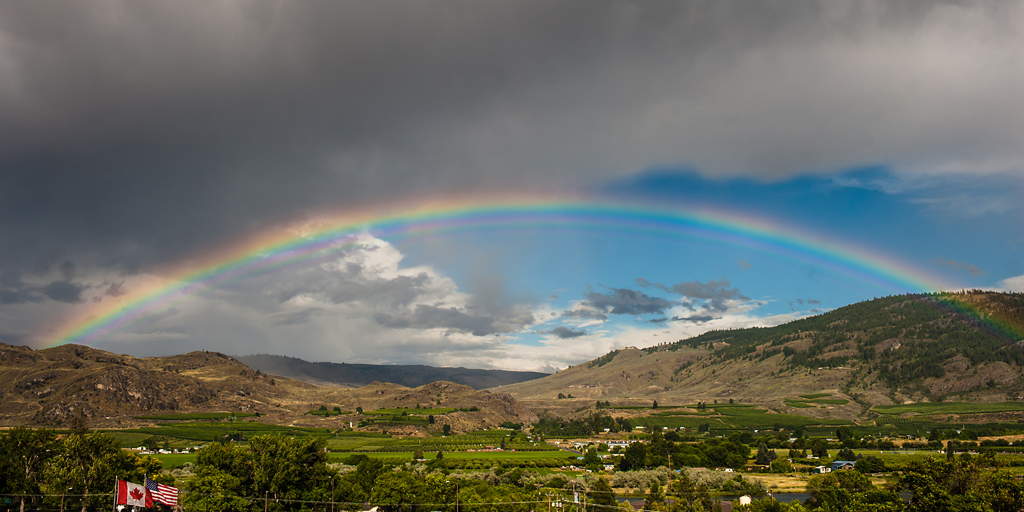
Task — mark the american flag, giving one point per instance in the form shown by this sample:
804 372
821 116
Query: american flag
163 493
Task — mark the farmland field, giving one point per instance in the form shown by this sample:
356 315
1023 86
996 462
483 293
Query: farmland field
949 408
195 416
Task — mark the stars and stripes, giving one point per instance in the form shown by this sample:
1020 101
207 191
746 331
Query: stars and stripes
163 493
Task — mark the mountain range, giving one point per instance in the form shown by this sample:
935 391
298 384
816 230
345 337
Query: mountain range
963 346
356 375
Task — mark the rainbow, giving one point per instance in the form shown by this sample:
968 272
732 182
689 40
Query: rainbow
328 236
967 305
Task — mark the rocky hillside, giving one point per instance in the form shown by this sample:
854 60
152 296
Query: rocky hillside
50 386
883 351
355 375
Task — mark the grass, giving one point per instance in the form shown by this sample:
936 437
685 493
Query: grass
399 411
949 408
734 417
195 416
127 439
546 455
208 431
174 459
800 404
816 395
318 412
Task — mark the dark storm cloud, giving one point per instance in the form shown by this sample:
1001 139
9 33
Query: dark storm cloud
138 132
715 293
15 291
622 301
63 291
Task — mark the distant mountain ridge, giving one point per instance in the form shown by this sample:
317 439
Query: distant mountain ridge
356 375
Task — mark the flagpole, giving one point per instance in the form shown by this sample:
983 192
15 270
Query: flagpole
115 494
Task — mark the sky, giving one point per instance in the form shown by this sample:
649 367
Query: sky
517 185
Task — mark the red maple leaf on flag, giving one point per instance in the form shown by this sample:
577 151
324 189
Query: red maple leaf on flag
136 494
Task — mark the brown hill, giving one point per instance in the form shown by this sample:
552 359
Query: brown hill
890 350
50 386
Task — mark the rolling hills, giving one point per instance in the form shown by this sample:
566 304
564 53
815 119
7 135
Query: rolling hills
951 347
910 348
52 386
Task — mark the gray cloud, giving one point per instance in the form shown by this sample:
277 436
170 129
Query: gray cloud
715 293
973 270
297 317
116 290
743 264
622 301
452 319
63 291
133 132
697 319
564 332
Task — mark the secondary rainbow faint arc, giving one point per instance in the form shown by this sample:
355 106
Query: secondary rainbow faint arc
327 236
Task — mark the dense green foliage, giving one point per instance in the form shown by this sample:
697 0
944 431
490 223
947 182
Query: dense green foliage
78 469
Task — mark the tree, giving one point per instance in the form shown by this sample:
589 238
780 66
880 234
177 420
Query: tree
23 453
655 498
430 419
781 466
689 497
393 491
282 470
446 429
88 464
602 496
846 454
967 483
765 456
835 490
635 457
591 460
654 405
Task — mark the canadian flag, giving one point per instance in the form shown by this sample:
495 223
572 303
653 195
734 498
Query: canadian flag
133 494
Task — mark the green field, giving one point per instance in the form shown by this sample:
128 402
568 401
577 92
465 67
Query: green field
174 459
208 431
949 408
800 404
816 395
196 416
398 412
327 413
545 455
734 417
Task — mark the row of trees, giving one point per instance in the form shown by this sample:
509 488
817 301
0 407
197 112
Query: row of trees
75 471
